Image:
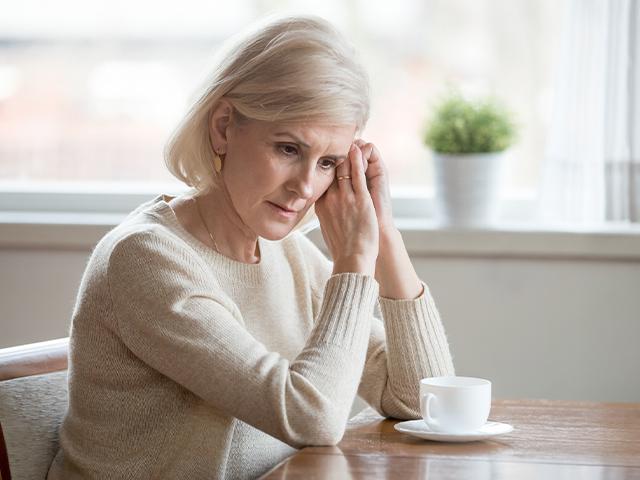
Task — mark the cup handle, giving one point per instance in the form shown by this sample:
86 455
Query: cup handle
425 404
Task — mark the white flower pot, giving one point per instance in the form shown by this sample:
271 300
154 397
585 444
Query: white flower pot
467 188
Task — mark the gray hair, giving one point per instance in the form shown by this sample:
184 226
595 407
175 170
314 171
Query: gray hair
284 69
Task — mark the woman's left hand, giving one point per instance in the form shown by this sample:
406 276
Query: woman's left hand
378 183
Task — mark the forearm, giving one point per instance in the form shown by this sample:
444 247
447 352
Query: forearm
409 344
394 271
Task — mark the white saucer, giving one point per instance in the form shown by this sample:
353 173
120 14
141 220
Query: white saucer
419 429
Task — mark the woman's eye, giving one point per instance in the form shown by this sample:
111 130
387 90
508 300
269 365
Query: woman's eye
288 149
327 164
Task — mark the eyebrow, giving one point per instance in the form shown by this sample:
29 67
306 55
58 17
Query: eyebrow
299 141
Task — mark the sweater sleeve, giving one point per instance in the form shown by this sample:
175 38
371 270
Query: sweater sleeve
407 345
171 315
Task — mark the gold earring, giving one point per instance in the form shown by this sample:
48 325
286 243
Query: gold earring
217 163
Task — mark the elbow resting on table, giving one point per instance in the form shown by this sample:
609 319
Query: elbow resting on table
327 437
327 431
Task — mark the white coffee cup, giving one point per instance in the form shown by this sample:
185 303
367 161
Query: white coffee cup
455 404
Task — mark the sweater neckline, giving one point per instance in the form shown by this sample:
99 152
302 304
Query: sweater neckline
239 272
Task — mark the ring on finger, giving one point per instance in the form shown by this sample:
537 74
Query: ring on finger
344 177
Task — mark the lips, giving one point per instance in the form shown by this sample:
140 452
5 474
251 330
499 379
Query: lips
286 209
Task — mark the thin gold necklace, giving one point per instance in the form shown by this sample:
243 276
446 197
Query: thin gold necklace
215 245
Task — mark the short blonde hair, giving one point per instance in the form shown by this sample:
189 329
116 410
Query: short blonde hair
284 69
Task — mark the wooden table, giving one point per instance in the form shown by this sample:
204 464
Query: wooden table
552 439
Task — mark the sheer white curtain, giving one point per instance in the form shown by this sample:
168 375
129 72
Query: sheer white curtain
591 172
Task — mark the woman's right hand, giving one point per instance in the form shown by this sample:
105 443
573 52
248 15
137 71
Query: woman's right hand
348 218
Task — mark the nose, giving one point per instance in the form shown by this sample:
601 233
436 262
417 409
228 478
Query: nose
302 181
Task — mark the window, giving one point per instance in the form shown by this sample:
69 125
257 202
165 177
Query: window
90 91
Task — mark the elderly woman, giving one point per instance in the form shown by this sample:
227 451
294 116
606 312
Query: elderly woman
211 338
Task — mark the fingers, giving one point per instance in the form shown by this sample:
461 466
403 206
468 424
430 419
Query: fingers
367 150
344 169
355 167
358 179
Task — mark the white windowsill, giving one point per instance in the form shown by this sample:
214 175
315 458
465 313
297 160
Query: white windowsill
56 218
81 231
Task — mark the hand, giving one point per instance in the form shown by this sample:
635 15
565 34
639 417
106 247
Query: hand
394 272
348 218
378 183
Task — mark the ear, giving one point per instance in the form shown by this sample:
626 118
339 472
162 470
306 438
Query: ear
219 122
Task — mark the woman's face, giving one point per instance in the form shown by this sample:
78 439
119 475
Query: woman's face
288 165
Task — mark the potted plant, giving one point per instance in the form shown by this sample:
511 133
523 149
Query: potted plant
468 139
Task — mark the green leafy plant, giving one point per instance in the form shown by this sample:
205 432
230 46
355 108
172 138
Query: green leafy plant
464 126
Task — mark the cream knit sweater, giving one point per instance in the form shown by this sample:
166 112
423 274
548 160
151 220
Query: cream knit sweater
185 364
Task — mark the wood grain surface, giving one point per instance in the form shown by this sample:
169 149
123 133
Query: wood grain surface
552 439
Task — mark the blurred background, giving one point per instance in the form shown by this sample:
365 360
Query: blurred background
544 303
90 90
